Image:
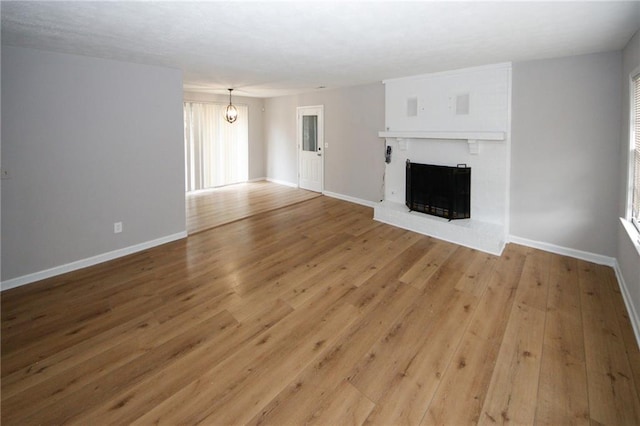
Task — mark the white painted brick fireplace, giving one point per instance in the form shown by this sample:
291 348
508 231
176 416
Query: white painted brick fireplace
451 118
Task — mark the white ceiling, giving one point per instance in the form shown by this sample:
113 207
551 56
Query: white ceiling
273 48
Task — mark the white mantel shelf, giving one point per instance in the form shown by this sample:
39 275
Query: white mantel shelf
484 136
472 138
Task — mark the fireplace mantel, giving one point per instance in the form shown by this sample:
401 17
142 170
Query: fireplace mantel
484 136
472 138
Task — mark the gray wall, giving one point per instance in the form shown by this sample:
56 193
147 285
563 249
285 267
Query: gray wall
87 142
1 162
628 256
565 151
354 160
256 127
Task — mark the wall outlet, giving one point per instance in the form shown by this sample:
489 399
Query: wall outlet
117 227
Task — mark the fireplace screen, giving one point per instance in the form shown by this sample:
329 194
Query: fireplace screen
439 190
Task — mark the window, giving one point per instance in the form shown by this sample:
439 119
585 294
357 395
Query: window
635 151
216 152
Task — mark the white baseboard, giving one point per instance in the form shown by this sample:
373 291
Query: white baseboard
355 200
259 179
90 261
282 182
633 314
565 251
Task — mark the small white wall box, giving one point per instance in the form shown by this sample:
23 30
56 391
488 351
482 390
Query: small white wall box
462 104
412 107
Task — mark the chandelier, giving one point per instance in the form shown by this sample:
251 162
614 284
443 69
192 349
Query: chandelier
231 113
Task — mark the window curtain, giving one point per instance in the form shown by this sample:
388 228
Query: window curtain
216 152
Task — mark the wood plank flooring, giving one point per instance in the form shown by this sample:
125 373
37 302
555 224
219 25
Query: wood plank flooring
214 207
316 314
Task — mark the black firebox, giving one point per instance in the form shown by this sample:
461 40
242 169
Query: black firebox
439 190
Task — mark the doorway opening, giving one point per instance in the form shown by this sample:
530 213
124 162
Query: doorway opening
216 152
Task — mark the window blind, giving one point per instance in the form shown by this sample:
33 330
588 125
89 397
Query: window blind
216 152
635 206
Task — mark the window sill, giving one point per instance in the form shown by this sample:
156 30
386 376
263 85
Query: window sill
632 232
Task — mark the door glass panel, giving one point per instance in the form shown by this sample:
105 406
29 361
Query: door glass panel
309 132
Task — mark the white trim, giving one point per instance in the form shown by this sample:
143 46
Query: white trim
565 251
633 315
632 232
282 182
507 196
630 145
259 179
355 200
90 261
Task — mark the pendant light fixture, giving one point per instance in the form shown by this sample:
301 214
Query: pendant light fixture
231 113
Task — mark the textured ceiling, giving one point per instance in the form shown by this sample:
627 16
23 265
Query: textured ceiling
273 48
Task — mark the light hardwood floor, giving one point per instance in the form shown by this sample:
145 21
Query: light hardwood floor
218 206
314 313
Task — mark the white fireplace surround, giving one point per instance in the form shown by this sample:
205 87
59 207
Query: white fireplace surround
430 131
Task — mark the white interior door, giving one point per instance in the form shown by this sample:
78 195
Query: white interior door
310 148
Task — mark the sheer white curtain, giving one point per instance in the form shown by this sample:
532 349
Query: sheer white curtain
216 152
